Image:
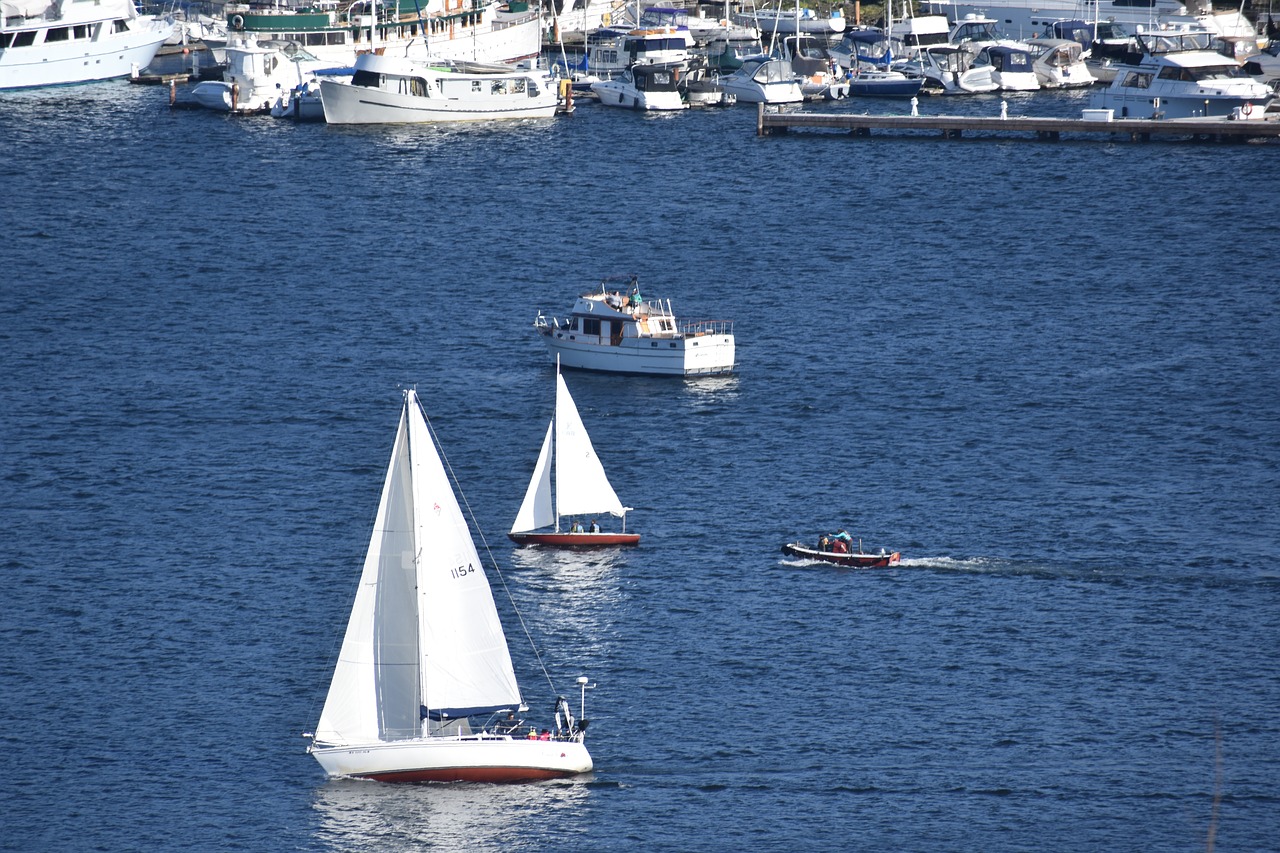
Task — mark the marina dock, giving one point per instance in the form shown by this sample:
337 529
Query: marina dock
769 123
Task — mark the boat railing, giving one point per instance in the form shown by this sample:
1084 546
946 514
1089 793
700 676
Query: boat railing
697 328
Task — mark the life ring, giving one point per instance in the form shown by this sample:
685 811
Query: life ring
1248 109
237 22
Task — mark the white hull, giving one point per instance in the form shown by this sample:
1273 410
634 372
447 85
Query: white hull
619 93
80 61
704 355
390 90
473 758
348 104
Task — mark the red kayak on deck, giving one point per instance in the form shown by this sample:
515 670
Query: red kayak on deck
856 558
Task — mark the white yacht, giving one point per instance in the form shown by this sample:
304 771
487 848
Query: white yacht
1179 76
1059 64
401 90
643 87
620 331
483 31
950 70
790 20
1012 68
764 80
52 42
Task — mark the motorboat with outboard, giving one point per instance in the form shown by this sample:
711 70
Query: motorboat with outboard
620 331
839 549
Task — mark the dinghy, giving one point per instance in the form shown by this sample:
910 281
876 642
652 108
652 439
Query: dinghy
846 558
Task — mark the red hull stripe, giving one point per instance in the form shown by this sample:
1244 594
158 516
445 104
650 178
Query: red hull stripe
470 774
575 539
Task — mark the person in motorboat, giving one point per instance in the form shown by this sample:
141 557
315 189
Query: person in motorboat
842 542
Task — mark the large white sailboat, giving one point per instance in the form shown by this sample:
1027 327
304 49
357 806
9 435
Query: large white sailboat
582 488
424 689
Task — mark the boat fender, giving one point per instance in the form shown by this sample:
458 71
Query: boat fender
237 22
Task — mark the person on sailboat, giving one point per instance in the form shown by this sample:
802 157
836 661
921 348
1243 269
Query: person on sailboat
577 527
595 528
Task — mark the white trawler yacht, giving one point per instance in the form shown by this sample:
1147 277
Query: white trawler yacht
620 331
424 689
52 42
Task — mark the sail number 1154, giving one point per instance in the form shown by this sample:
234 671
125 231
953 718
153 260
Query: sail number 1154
462 571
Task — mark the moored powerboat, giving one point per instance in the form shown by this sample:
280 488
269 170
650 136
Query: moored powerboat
764 80
1180 76
643 87
55 42
400 90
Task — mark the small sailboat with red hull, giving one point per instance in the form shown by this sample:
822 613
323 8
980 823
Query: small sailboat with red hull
581 486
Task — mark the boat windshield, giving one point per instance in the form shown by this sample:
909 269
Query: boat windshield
1203 74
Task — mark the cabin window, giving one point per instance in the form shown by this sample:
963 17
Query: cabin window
57 34
573 324
24 39
476 86
81 31
499 87
119 26
6 39
418 87
590 326
368 79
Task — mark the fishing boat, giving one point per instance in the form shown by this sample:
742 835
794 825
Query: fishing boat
424 689
401 90
55 42
625 333
846 558
581 486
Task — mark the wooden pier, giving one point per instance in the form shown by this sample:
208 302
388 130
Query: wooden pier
769 123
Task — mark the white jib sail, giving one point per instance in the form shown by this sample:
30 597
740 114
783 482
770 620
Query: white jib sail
423 629
581 485
537 509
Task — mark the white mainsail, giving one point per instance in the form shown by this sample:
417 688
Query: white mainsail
424 631
581 484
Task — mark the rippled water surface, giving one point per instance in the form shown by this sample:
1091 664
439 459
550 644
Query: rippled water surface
1047 373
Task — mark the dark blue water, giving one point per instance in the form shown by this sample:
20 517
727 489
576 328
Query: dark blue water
1047 373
